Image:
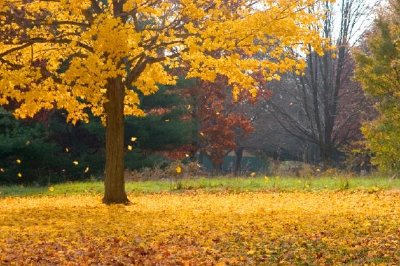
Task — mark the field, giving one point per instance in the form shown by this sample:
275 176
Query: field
193 222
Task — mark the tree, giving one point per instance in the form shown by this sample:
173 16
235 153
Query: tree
164 133
378 69
326 107
97 55
219 123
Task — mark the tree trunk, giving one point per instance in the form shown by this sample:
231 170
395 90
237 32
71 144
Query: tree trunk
217 166
326 156
238 161
217 169
114 182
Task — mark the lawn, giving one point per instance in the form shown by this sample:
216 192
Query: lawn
222 184
205 222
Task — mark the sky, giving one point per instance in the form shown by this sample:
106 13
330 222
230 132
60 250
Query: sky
365 20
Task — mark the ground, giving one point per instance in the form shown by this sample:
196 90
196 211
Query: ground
203 227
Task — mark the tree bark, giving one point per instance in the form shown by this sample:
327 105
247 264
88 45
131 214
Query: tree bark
217 165
114 182
217 169
238 161
326 156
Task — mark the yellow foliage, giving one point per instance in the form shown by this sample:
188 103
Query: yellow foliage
297 228
68 54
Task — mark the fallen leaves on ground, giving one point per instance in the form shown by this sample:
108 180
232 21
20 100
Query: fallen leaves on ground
321 228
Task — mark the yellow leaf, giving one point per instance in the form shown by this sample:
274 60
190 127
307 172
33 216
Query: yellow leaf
178 169
251 252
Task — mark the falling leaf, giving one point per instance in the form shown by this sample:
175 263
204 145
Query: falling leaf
2 170
75 162
178 169
27 142
266 178
18 161
19 175
166 120
87 169
51 189
253 174
66 150
133 139
130 147
187 155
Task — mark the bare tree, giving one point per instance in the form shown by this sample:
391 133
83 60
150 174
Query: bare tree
324 106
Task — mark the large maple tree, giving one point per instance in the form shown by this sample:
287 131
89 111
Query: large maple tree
98 55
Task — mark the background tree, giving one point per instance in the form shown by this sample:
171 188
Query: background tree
95 56
46 150
220 124
251 136
324 106
165 132
378 70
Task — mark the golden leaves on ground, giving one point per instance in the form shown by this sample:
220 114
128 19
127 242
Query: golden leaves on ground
324 228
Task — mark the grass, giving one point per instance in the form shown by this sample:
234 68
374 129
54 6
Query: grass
220 184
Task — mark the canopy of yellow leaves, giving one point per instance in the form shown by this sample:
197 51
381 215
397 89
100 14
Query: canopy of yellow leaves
67 54
299 228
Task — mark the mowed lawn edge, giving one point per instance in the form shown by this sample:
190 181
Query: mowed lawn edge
212 185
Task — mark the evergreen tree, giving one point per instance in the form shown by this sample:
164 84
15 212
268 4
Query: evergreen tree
165 130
